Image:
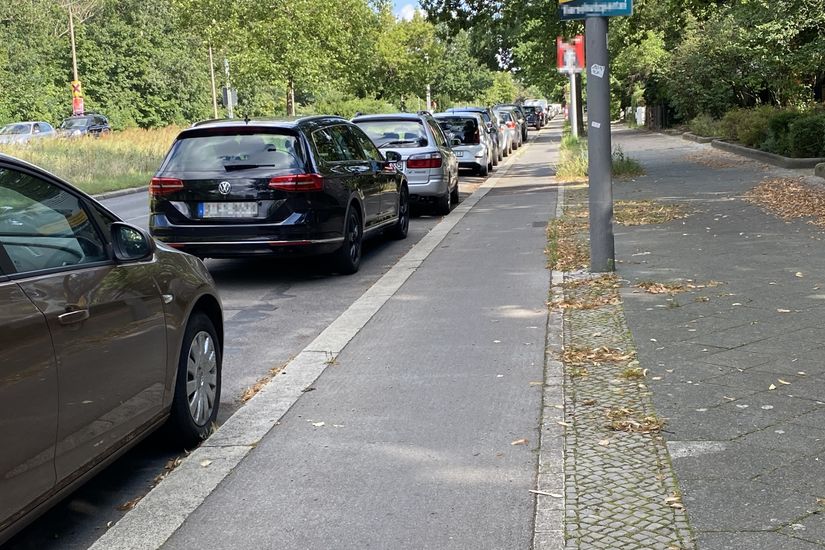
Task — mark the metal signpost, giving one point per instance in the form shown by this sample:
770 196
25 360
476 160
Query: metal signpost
600 162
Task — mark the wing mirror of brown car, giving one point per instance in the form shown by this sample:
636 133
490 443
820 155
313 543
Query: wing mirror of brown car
131 243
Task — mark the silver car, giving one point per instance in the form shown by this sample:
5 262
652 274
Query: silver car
518 123
427 158
472 144
23 132
512 135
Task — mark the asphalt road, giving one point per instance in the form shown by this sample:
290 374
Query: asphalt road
272 310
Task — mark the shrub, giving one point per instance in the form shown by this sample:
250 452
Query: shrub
625 166
778 137
705 125
806 136
747 126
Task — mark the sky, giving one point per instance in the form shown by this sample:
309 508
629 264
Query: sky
405 8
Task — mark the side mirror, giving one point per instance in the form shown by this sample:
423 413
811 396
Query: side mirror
455 142
392 156
130 243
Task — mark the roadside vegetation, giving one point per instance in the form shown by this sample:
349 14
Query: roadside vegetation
573 159
789 132
116 161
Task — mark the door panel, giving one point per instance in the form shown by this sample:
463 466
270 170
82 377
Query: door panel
110 341
28 402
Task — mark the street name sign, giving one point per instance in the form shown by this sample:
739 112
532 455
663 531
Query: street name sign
581 9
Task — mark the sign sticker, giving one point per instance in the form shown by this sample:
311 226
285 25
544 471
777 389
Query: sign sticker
597 70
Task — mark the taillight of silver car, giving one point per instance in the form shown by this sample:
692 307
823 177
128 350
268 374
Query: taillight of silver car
426 160
298 182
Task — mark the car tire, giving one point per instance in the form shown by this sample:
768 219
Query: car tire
348 257
197 391
454 195
402 226
483 171
500 155
444 204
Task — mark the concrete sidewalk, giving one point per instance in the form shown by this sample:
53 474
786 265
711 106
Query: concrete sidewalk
422 427
737 369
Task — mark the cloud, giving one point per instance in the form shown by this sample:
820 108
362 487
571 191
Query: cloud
407 11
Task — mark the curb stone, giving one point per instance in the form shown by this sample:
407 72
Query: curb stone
120 193
819 170
764 156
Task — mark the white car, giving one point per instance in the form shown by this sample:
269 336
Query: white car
23 132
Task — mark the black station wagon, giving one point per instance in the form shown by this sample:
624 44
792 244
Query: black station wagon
314 185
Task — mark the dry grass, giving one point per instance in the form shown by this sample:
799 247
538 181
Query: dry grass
567 246
647 212
790 199
251 391
607 281
119 160
625 420
585 302
578 356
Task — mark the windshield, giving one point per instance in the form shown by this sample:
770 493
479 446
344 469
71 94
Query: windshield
395 133
72 123
503 115
16 129
235 152
464 129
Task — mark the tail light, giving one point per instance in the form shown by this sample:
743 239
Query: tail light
298 182
164 186
428 160
511 124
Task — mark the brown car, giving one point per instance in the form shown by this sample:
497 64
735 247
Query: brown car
104 336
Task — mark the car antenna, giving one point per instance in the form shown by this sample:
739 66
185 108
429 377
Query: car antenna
246 118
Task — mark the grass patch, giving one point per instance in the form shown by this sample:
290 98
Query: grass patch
567 249
633 373
120 160
572 163
647 212
624 166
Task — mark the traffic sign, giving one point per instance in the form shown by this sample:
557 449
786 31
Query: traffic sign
77 91
581 9
77 106
570 55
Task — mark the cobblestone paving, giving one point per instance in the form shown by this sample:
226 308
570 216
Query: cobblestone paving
619 486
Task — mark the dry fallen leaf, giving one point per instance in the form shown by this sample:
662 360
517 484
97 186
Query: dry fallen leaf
565 424
783 382
205 463
772 387
799 274
781 310
604 442
318 424
522 441
545 493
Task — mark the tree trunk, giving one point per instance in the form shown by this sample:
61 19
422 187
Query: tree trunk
290 97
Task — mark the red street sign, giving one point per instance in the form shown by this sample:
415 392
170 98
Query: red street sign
77 106
570 55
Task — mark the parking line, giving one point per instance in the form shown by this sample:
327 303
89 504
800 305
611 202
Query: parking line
164 509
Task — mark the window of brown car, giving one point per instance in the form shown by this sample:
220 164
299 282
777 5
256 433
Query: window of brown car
43 226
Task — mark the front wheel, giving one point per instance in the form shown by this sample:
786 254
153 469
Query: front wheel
198 385
454 196
348 257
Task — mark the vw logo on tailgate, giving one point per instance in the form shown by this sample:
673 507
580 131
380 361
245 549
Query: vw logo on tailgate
224 187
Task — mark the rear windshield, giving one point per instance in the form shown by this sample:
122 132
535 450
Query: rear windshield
395 133
504 116
235 152
81 122
462 128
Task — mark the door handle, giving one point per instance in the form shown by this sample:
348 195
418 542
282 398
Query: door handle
73 316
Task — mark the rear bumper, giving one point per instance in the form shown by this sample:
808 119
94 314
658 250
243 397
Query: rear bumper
232 241
432 187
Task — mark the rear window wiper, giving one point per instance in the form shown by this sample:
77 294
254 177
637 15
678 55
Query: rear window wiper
398 142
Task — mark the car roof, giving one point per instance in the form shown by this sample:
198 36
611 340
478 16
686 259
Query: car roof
282 122
470 108
475 115
391 116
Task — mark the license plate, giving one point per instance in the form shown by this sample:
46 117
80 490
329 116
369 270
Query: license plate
229 209
459 153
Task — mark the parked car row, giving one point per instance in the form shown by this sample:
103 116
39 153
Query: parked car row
78 285
91 124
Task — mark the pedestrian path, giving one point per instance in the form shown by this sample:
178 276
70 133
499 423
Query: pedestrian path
422 432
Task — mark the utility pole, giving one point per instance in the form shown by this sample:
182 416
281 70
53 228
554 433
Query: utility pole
429 99
212 76
600 169
230 113
78 107
74 49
